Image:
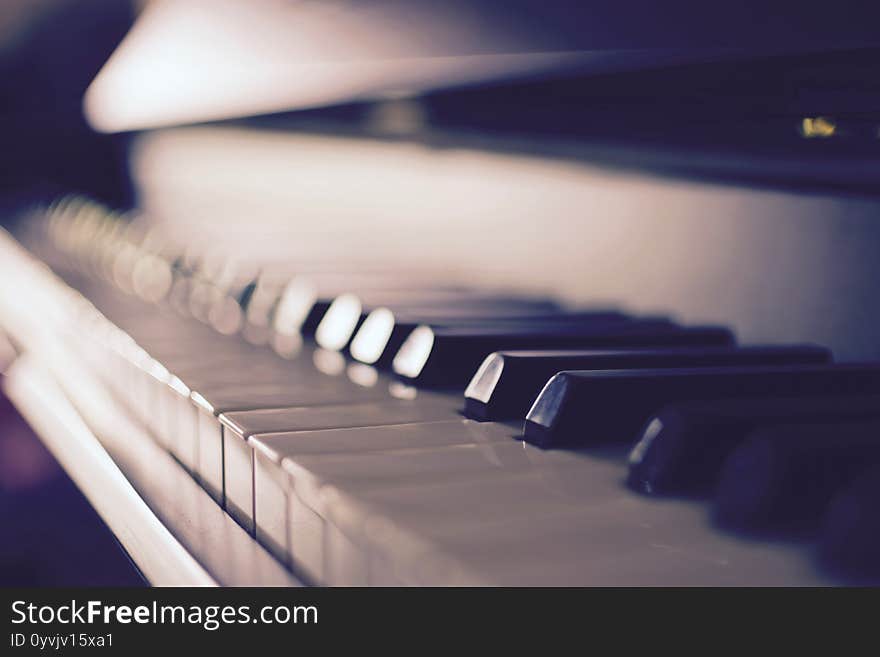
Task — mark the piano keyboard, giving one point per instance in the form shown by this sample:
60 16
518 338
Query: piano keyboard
367 429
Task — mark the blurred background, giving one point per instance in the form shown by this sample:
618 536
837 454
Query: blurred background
50 50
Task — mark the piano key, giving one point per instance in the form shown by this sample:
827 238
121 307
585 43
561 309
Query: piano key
163 332
683 446
238 427
167 337
228 365
322 486
384 331
589 407
449 356
182 352
314 316
176 415
483 512
507 382
468 512
601 542
299 310
173 416
176 422
426 407
850 533
258 301
784 476
349 311
271 483
214 400
339 322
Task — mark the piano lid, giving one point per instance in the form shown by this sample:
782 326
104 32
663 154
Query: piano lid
190 61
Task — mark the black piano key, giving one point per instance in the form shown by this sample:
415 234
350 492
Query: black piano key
383 332
784 476
590 407
349 312
438 357
850 532
314 316
243 291
682 447
508 382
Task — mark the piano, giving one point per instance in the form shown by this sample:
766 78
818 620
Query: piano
426 299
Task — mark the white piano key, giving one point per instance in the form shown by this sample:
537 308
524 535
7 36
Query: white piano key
425 407
239 426
339 488
310 558
175 421
619 539
187 438
435 515
239 461
212 401
162 417
622 540
270 499
210 448
307 542
344 562
238 478
178 417
157 383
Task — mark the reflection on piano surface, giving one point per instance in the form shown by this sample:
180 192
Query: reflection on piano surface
536 319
